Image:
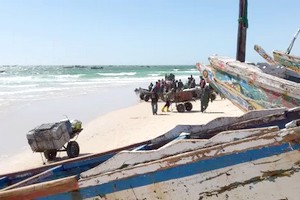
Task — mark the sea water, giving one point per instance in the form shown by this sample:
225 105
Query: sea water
19 84
31 95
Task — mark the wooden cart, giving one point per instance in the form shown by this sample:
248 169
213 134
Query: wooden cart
183 99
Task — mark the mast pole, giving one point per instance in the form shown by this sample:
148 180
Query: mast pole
288 51
242 31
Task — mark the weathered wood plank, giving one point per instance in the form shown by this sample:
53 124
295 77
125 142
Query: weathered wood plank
89 179
184 175
41 189
35 178
218 124
131 158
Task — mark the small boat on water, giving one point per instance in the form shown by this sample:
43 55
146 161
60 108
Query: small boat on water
97 67
249 87
229 157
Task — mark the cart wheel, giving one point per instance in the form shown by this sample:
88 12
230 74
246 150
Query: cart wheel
50 154
72 149
180 108
142 96
146 98
188 106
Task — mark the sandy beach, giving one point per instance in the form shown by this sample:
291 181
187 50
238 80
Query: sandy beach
126 126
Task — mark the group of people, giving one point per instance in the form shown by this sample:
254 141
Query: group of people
165 88
162 86
155 91
154 105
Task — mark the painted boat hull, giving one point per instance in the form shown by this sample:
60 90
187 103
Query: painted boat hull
276 68
226 156
197 181
58 169
77 165
242 169
289 61
250 88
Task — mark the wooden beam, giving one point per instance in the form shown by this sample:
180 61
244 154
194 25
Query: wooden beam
242 32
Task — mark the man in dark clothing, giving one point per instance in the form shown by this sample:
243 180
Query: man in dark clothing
180 85
154 100
150 86
193 84
202 82
190 80
205 98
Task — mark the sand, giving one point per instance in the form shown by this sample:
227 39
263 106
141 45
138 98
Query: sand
127 126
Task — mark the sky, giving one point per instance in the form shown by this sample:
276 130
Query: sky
140 32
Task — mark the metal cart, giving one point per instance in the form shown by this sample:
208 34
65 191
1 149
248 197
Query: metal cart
53 137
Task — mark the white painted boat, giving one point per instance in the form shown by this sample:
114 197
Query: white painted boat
248 157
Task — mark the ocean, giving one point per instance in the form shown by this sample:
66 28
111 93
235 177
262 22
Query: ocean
19 84
32 95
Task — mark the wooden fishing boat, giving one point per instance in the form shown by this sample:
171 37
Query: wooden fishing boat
58 169
290 61
285 59
281 59
227 157
276 68
249 87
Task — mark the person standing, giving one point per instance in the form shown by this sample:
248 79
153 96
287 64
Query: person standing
150 86
202 82
193 84
180 85
205 97
154 100
168 102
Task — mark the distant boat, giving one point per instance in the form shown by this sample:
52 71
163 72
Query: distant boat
80 66
97 67
249 87
227 157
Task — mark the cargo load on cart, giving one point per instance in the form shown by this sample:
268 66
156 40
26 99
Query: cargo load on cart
50 138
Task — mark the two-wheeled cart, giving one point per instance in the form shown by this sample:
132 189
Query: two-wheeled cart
51 138
183 99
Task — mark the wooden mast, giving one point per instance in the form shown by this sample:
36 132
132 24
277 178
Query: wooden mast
242 31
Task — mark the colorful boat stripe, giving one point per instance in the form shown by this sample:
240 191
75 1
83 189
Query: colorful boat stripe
178 172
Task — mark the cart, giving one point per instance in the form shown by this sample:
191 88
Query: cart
183 99
144 94
53 137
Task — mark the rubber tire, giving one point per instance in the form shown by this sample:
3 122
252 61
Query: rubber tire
73 149
50 154
188 106
146 98
141 96
213 97
180 108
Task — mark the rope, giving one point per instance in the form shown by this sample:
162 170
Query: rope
244 19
